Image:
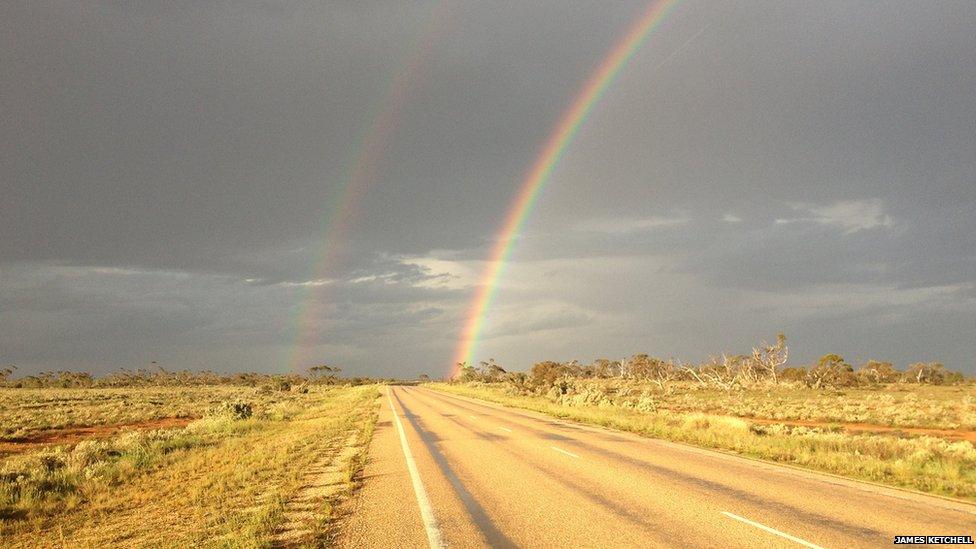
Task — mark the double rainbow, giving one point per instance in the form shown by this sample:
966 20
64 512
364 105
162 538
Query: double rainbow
537 177
368 160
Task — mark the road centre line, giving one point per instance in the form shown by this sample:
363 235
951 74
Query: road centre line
561 451
426 511
772 530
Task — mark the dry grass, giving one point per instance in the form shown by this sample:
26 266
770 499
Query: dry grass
220 481
29 411
711 419
895 405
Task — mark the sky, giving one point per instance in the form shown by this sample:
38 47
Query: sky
171 173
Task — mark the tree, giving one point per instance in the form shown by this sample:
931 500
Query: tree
831 370
724 373
519 383
793 373
876 371
465 372
953 378
653 369
649 368
605 368
933 373
768 358
6 372
324 373
546 372
492 372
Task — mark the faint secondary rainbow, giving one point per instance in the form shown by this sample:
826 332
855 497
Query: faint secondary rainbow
537 177
368 159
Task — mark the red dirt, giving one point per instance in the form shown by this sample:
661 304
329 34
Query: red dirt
74 435
868 428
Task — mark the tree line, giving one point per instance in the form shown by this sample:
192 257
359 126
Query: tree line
766 365
158 376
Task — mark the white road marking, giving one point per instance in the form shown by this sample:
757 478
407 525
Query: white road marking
426 511
772 530
561 451
506 429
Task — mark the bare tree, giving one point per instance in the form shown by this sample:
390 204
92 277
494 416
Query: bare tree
723 373
605 368
663 373
768 358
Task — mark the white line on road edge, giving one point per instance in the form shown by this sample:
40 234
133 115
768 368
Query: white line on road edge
560 450
772 531
426 511
506 429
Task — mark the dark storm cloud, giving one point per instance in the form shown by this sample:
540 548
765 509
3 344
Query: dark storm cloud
191 136
77 316
183 137
168 172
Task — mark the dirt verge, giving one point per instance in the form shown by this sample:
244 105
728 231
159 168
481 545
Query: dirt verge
868 428
74 435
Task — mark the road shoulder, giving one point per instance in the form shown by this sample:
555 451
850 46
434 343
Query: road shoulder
373 521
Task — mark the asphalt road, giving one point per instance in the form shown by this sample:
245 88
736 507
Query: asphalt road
457 472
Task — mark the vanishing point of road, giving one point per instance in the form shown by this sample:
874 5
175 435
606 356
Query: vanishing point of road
448 471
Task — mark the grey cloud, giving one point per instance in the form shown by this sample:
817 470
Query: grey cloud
73 316
849 215
168 174
842 243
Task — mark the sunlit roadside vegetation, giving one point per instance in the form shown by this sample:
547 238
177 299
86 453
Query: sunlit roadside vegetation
913 428
38 404
224 479
767 365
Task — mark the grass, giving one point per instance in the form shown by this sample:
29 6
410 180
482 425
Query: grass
221 481
713 420
895 405
29 411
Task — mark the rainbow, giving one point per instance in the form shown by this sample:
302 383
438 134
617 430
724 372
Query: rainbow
368 159
537 177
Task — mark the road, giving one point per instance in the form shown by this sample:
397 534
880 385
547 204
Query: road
451 471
